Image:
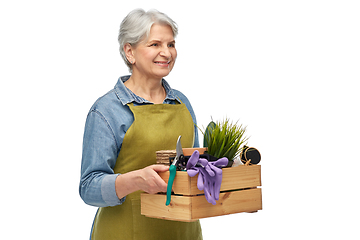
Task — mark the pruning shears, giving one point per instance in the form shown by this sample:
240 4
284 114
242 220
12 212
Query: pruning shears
178 158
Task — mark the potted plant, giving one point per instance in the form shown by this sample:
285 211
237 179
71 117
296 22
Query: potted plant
225 139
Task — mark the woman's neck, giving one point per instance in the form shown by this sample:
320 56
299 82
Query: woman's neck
149 89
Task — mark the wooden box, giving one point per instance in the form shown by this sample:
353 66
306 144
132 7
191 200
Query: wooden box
239 193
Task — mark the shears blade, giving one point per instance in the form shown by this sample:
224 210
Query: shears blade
179 151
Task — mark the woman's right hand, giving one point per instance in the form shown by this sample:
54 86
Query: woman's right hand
150 181
146 179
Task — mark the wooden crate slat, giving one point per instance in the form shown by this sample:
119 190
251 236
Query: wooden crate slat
153 205
229 202
186 208
233 178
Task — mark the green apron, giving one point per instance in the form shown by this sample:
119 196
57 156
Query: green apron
155 127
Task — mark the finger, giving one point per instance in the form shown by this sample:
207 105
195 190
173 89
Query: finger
200 182
209 194
192 172
222 162
215 170
218 186
212 189
206 165
209 170
160 183
160 168
193 159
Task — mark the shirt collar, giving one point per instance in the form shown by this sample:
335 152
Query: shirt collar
127 96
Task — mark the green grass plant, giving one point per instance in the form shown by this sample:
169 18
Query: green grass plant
225 139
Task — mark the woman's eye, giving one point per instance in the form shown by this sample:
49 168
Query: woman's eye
171 45
154 45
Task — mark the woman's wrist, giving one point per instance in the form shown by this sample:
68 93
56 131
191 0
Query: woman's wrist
126 183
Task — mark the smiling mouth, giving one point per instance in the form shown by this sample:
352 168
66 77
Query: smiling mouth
163 63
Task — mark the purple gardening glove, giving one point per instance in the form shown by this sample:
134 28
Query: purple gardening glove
218 175
190 166
193 160
210 176
196 165
206 182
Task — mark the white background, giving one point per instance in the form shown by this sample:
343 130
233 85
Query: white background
289 70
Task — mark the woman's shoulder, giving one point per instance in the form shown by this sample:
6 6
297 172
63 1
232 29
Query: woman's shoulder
181 96
104 101
109 105
113 98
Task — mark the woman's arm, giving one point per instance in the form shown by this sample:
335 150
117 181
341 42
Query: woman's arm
99 186
97 183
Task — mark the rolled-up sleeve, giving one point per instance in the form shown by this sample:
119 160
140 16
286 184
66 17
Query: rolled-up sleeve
100 150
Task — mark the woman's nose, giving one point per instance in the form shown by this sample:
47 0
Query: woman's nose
165 52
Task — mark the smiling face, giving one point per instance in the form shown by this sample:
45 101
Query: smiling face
155 56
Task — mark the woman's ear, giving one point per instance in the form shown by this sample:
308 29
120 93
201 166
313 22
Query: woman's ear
128 49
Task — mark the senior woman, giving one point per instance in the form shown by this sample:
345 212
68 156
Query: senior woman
126 126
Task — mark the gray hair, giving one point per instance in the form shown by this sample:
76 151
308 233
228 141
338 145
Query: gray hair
136 27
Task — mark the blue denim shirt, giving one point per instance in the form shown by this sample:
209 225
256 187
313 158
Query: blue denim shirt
106 125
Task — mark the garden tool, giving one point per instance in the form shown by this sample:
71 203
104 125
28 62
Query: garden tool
179 157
